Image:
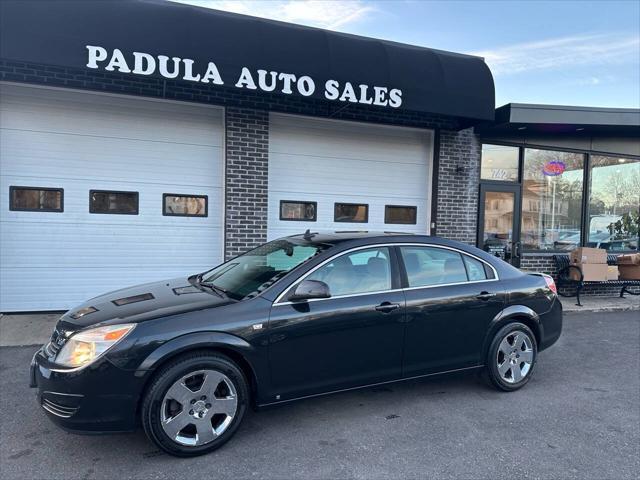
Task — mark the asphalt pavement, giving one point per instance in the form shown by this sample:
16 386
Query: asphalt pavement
579 417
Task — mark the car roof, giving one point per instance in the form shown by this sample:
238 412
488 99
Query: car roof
341 236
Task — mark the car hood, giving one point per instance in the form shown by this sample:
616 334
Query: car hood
142 302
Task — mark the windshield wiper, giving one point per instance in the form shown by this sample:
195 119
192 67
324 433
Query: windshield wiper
221 292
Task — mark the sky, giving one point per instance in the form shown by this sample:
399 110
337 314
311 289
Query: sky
549 52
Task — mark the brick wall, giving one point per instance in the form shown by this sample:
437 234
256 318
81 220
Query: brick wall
538 263
247 143
246 179
458 184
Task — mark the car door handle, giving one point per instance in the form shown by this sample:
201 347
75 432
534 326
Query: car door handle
387 307
485 296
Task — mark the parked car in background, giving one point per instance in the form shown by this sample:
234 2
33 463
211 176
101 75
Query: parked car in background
296 317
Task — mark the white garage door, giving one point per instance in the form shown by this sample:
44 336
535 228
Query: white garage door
381 173
77 142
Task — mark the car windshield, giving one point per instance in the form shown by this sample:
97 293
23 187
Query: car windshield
255 271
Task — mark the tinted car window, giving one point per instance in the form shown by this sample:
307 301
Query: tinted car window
475 268
432 266
358 272
250 273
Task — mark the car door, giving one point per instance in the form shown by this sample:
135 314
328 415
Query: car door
451 299
352 338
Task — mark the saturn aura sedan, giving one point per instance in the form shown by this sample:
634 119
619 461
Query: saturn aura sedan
296 317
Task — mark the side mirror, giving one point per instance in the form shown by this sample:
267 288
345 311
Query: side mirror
308 289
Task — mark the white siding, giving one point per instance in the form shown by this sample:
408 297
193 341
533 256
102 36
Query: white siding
80 141
328 161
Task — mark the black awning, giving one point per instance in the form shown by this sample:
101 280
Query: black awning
58 33
524 119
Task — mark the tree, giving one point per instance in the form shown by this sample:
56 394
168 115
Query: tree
627 227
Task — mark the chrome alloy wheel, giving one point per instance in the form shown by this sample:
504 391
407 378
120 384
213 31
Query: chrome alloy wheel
515 356
198 407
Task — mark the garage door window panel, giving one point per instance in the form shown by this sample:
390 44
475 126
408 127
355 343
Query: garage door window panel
364 271
179 205
429 266
350 213
298 211
401 215
36 199
113 202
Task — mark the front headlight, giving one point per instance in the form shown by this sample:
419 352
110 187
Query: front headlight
86 347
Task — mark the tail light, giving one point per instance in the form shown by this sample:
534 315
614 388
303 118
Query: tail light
551 284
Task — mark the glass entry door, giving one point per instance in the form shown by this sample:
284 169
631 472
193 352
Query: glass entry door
499 222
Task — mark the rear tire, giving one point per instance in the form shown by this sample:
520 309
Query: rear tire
512 357
195 404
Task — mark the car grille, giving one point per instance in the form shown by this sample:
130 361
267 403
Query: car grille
52 348
57 409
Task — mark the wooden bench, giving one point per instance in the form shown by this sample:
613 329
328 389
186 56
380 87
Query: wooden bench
563 278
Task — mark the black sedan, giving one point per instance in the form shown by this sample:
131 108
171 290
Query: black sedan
296 317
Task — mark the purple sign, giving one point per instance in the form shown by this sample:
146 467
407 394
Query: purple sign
554 168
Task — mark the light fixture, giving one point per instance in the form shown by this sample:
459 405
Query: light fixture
87 346
522 128
579 129
622 160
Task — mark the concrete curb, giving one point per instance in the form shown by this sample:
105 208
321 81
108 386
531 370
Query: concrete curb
599 309
602 305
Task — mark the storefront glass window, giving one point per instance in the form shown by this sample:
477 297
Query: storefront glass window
499 163
551 200
614 203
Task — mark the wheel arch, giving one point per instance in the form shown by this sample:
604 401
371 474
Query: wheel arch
235 348
511 314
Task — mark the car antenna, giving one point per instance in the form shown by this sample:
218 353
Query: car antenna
308 235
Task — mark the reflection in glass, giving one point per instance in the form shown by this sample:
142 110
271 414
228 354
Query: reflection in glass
298 211
432 266
350 212
256 270
185 205
30 198
400 214
551 200
499 163
614 203
498 223
359 272
102 201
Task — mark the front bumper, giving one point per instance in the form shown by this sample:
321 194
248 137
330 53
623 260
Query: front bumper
97 399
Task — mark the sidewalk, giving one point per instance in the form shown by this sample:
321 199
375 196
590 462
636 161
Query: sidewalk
35 328
601 304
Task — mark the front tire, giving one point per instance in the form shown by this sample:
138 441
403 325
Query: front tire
512 357
195 404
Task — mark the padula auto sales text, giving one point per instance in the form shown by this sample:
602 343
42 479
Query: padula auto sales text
140 63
